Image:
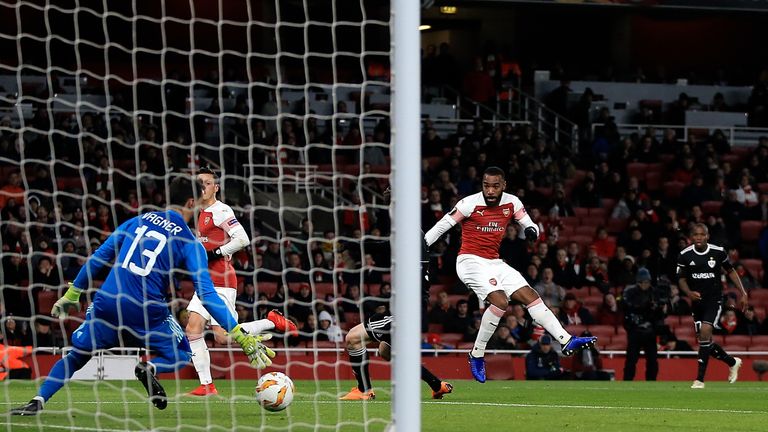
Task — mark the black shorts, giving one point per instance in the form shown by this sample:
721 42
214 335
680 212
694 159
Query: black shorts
707 310
379 328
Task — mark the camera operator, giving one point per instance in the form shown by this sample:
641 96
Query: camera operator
644 307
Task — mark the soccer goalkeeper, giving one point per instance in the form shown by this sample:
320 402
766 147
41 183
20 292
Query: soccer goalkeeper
131 305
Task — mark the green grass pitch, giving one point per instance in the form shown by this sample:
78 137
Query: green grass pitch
493 406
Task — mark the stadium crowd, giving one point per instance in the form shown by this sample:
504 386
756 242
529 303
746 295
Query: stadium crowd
613 206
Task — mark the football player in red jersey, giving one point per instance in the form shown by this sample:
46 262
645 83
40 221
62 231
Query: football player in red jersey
484 217
222 236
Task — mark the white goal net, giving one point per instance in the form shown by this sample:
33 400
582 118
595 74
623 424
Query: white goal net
288 101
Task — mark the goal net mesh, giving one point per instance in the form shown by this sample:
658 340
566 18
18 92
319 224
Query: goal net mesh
102 103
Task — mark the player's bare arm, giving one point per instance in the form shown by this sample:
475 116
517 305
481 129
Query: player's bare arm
683 285
743 299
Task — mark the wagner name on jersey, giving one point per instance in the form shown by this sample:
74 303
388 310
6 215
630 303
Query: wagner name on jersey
213 227
483 227
704 270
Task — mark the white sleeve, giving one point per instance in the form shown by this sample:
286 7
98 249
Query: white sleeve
522 217
225 219
238 239
462 210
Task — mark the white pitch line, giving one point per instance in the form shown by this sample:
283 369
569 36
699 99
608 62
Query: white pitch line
72 428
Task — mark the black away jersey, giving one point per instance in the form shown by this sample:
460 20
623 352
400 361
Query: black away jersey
704 270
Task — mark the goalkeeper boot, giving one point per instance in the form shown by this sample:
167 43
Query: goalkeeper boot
477 366
155 391
356 394
733 371
282 323
576 343
204 390
32 408
445 388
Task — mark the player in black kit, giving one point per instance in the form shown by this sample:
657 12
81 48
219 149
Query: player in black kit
699 268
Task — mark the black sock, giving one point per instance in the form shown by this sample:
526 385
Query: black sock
704 352
719 353
359 361
430 379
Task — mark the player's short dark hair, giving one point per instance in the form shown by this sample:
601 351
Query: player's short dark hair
494 171
699 225
207 170
181 189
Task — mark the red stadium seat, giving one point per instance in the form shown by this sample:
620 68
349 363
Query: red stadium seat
581 212
603 331
738 339
759 296
672 189
754 267
711 207
653 180
435 328
599 214
451 338
586 230
45 301
499 367
616 226
608 205
750 231
637 169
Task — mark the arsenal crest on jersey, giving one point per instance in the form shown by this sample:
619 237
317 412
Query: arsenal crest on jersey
506 212
711 262
207 219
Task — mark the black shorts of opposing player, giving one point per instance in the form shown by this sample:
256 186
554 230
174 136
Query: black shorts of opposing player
707 310
379 328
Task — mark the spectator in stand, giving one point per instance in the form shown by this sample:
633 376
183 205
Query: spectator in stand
669 342
12 190
560 206
745 195
246 302
647 151
513 249
352 299
625 269
733 212
677 305
748 324
573 312
295 272
16 333
565 275
609 312
308 332
46 276
441 309
603 245
329 330
272 259
300 302
729 322
478 84
43 336
695 193
543 363
686 172
596 275
468 184
551 293
586 195
502 339
459 320
431 143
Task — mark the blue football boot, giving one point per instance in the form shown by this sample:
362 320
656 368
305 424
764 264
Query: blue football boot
477 366
576 343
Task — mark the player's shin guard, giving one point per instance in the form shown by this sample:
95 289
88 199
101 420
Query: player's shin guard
358 358
545 318
488 325
719 353
429 378
61 372
201 358
705 349
258 326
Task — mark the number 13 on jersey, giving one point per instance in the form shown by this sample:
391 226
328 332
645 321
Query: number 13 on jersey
150 254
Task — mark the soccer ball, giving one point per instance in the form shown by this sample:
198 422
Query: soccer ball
274 391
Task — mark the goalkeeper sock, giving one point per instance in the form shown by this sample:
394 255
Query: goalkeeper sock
719 353
257 327
545 318
61 372
201 358
430 379
705 348
359 360
488 324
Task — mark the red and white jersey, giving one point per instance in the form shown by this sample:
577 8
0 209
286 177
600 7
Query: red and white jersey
483 227
213 225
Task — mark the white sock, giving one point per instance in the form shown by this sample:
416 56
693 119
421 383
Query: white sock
201 358
488 324
256 327
545 318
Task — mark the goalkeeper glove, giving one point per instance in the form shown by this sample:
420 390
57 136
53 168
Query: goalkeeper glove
259 355
531 235
70 299
215 254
